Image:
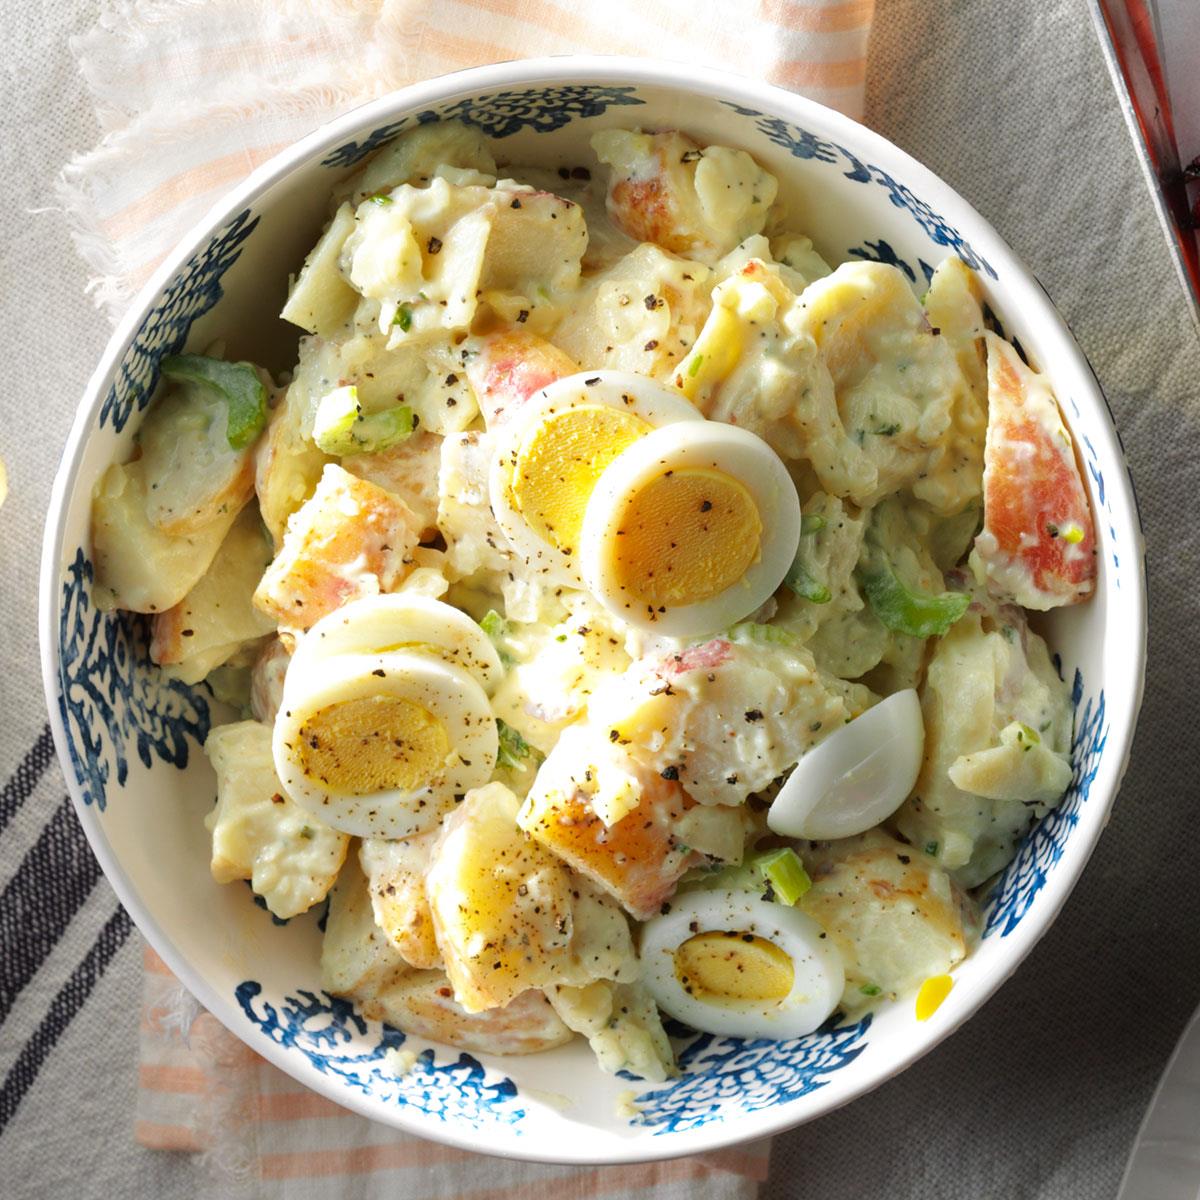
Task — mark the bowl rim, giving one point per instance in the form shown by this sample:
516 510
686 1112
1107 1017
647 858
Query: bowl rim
708 83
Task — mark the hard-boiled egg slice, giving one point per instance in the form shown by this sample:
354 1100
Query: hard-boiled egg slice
690 529
857 777
380 624
382 745
552 451
732 963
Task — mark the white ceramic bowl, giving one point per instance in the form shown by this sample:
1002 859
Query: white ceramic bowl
129 740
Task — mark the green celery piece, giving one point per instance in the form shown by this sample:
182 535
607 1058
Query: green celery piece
238 385
908 610
798 577
496 628
784 871
342 428
754 631
514 749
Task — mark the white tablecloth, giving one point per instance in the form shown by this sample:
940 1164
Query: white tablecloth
1040 1095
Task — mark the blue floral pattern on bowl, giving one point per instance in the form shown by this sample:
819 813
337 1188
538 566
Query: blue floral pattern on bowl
110 694
722 1076
499 115
323 1028
195 290
1017 888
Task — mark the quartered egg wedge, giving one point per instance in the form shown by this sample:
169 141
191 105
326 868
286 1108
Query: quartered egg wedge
690 529
554 449
419 624
382 745
729 962
857 777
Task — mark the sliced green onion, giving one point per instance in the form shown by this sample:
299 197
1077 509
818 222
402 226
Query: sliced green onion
496 628
341 427
403 318
931 848
239 386
870 989
514 749
811 523
694 365
784 871
804 585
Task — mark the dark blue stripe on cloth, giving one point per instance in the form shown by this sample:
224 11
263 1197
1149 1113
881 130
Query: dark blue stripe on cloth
24 779
62 1011
49 888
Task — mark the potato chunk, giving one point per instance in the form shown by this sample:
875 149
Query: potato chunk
665 189
504 909
395 873
509 366
892 912
217 618
613 820
138 567
350 539
289 856
621 1024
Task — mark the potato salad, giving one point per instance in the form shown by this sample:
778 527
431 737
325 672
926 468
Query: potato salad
625 612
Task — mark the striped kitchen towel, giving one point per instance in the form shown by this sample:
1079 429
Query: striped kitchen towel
192 95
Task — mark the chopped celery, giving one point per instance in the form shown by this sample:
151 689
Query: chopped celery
341 427
908 610
799 578
496 628
870 989
239 386
804 585
784 871
752 631
514 749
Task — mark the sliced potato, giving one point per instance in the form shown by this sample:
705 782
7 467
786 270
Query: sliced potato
509 366
193 476
621 1024
395 874
894 914
356 956
288 463
321 301
138 566
266 680
422 1003
290 857
217 618
350 539
408 470
415 157
699 202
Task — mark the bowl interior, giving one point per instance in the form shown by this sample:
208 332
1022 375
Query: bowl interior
131 739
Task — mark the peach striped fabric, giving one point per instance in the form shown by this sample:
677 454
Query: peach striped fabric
263 1135
190 96
193 94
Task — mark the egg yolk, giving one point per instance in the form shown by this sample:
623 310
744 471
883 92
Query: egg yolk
725 967
685 537
373 744
559 463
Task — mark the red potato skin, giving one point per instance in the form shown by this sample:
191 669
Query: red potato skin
510 367
1032 490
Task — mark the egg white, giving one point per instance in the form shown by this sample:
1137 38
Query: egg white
713 445
622 390
408 622
818 973
448 692
857 777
